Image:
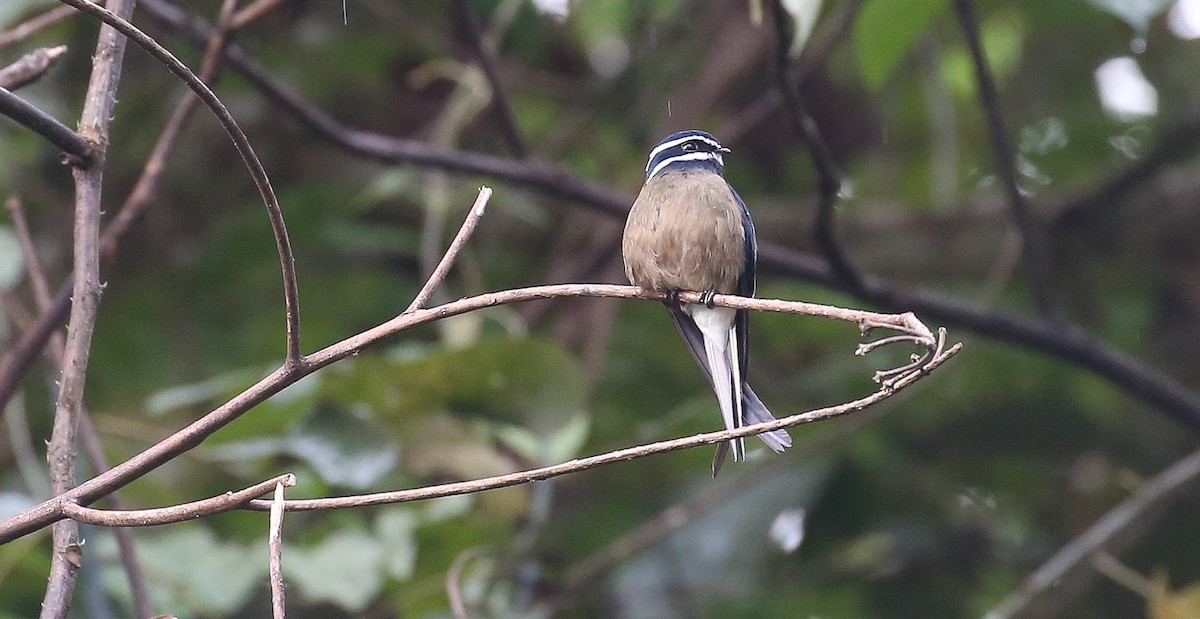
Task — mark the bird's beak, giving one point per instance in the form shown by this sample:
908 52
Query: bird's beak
723 150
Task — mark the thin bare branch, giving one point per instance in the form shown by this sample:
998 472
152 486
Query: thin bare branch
31 67
245 150
46 126
1038 265
33 264
1054 583
192 435
464 233
583 464
26 29
98 105
174 513
829 183
275 548
470 34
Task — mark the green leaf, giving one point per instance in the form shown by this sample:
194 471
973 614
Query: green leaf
342 446
344 569
187 567
886 30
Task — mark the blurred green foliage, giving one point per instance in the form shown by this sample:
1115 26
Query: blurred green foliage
935 504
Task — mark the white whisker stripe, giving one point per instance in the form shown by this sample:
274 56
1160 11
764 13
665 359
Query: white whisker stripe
676 142
686 157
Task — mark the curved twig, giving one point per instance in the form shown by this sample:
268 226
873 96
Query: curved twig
241 143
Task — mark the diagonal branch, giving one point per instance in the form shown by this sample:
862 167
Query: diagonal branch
1052 584
443 267
28 28
1038 265
471 35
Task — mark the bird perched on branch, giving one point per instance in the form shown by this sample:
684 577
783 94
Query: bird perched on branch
689 230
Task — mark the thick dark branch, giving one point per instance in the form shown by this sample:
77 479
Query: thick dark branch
1068 343
1036 257
46 126
805 127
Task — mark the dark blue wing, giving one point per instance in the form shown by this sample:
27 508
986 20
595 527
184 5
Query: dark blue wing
746 284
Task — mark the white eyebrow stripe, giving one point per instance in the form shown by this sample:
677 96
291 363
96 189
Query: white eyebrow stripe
686 157
676 142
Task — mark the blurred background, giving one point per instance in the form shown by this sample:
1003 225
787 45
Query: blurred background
937 503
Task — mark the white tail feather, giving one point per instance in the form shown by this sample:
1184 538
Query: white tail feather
720 346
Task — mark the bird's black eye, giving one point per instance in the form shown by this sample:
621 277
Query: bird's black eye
689 146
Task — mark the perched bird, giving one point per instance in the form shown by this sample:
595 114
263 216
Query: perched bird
689 230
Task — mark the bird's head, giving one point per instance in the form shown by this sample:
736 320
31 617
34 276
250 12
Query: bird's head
686 149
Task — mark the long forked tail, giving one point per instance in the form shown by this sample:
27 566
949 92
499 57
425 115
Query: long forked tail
752 408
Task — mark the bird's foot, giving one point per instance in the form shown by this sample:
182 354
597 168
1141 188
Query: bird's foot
706 297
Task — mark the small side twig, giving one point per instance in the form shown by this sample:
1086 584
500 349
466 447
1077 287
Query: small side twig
175 513
31 67
1037 261
46 126
275 547
27 28
443 267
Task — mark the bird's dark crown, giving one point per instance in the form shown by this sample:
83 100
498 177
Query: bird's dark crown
686 149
